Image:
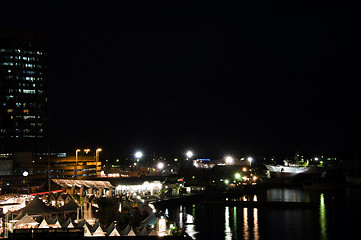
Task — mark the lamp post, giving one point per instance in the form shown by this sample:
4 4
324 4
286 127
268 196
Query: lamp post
250 160
138 155
25 174
96 160
76 162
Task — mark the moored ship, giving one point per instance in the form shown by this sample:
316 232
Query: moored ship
289 169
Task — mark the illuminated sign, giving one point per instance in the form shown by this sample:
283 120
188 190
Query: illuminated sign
203 159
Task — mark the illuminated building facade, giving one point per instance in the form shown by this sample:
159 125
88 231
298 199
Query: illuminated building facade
84 167
67 167
23 91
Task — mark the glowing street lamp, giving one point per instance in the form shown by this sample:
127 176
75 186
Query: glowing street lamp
189 155
237 176
138 154
160 165
229 160
250 160
97 160
76 161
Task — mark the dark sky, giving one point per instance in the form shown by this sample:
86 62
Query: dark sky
213 76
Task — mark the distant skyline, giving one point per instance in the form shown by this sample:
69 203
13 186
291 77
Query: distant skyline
213 76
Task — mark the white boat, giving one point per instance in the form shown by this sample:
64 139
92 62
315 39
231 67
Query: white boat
289 169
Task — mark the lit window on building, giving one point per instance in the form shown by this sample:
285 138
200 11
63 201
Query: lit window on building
29 91
7 63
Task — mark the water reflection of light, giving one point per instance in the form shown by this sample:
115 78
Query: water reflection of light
323 217
245 224
235 232
227 228
190 227
286 195
255 224
180 217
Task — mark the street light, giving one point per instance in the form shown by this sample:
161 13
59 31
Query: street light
229 160
138 154
250 160
97 160
76 161
25 174
160 166
189 154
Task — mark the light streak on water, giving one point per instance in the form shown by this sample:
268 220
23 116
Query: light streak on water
190 227
180 217
255 224
323 217
245 224
235 222
227 228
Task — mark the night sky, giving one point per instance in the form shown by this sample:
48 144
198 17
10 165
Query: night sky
212 76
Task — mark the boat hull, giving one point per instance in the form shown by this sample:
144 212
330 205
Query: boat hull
288 171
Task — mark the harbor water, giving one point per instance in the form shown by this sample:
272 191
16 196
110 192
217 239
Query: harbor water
336 214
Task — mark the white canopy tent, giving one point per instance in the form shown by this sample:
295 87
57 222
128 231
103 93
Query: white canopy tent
26 222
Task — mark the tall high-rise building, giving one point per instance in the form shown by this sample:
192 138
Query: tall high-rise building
23 90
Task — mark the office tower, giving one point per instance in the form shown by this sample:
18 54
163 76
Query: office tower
23 91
